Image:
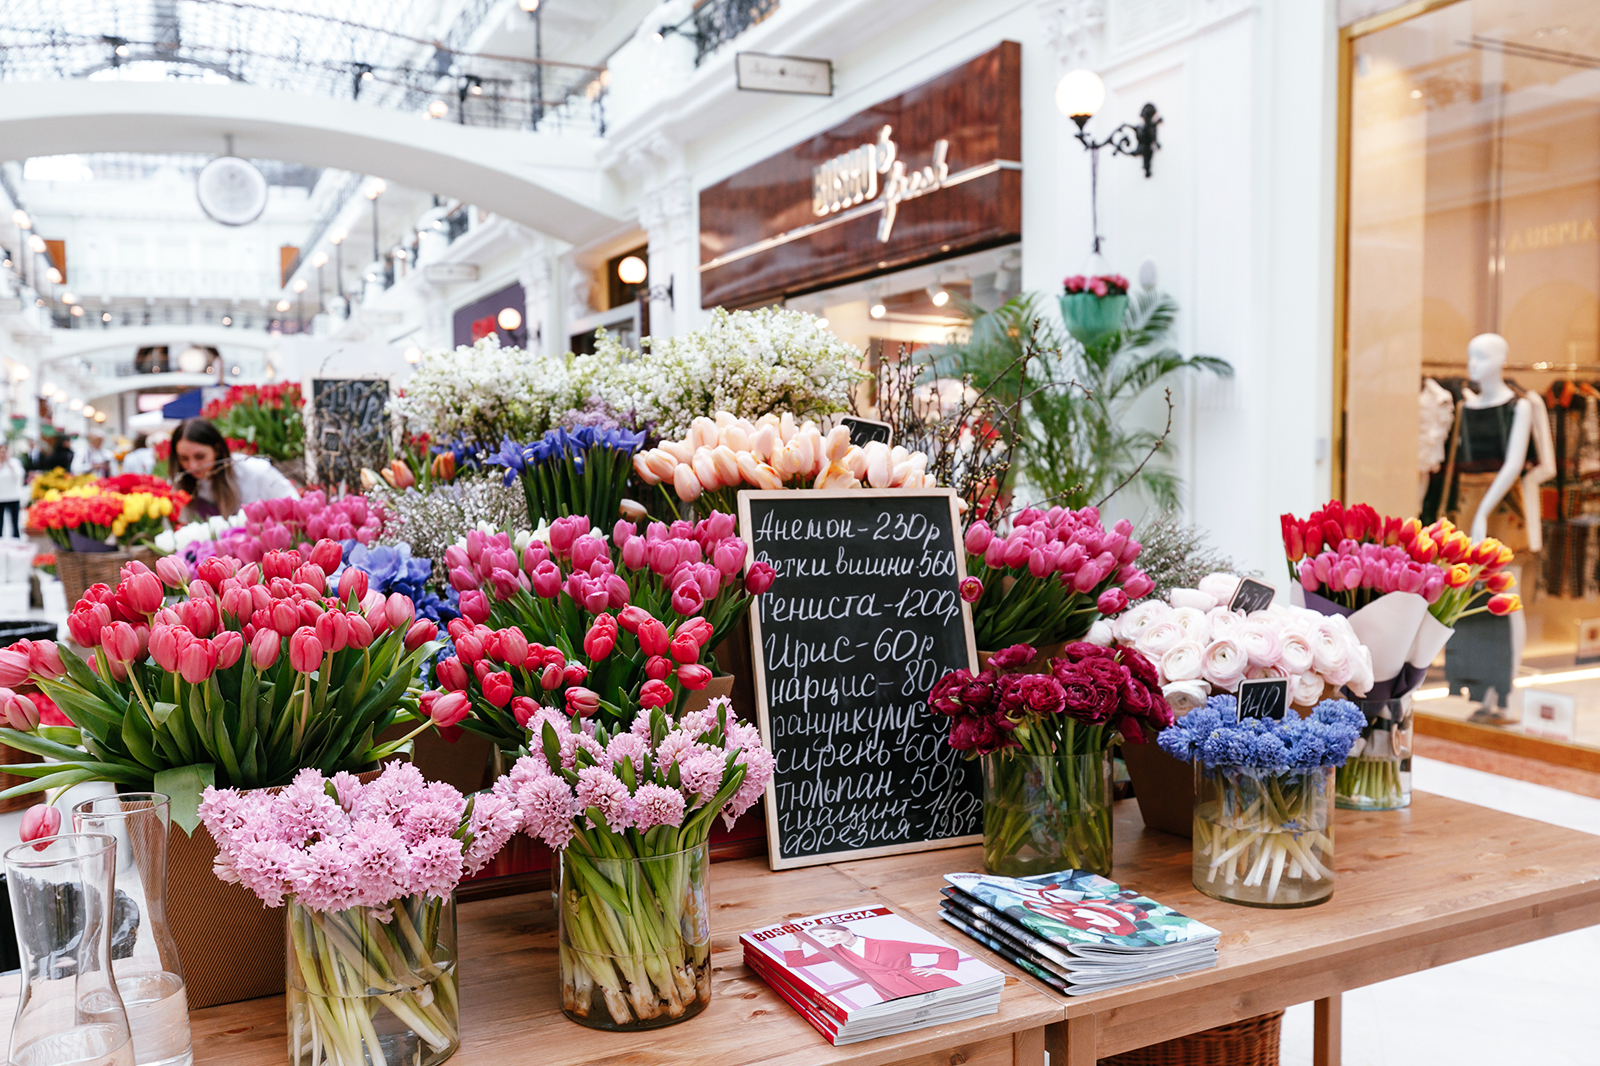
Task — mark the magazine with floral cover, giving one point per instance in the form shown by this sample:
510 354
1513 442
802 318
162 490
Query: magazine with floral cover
870 972
1084 914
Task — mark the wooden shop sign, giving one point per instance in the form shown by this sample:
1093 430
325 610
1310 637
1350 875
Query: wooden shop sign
932 172
865 614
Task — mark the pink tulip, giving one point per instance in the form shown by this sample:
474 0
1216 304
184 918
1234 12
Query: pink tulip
333 631
14 667
450 709
421 631
352 582
120 642
39 823
19 711
44 658
144 592
197 659
978 538
474 606
229 646
400 611
172 571
327 555
264 648
305 650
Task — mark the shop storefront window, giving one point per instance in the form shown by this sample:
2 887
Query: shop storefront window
1474 208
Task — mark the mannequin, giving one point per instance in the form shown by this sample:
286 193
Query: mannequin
1503 440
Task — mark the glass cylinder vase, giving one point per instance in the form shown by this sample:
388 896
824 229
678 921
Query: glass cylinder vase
1377 775
367 986
1044 813
1264 839
635 937
61 902
144 957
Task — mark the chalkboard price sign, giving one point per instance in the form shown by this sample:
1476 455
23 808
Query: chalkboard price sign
864 615
350 429
865 430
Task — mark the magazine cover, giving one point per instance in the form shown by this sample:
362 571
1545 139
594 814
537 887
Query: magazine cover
859 959
1083 912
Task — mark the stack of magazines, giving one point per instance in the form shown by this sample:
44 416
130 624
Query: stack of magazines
1077 931
859 974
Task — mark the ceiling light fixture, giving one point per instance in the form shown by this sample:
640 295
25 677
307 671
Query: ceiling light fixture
438 109
77 310
632 270
55 276
88 410
75 404
300 285
193 360
68 298
338 236
99 416
938 295
878 310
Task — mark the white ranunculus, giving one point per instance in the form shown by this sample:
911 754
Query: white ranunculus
1100 633
1182 661
1224 663
1330 651
1193 622
1220 586
1223 621
1129 625
1306 690
1185 696
1155 640
1193 598
1296 657
1260 641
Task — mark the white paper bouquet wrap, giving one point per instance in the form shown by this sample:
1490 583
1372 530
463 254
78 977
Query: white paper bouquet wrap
1398 630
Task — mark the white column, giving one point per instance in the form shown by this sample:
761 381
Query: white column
668 216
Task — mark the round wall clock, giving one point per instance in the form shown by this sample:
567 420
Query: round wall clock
231 190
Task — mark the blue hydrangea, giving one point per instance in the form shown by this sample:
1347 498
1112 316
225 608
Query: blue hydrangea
1212 735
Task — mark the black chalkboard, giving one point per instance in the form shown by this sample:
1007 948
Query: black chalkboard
350 430
1252 595
864 616
864 430
1263 697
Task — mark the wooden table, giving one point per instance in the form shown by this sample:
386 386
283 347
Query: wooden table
1436 883
1439 882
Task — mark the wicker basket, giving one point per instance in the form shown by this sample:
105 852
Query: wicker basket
1251 1042
79 570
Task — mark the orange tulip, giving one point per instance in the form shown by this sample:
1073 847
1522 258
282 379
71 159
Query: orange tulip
1505 603
1506 555
1456 547
1458 575
444 466
1500 582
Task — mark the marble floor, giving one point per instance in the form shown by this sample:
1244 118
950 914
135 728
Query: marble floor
1533 1004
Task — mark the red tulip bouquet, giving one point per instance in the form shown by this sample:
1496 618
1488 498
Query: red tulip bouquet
556 592
253 673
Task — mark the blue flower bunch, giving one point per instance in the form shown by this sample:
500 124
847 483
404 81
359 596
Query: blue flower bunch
1214 736
391 568
578 472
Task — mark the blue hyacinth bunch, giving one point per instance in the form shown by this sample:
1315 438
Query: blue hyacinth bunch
1214 736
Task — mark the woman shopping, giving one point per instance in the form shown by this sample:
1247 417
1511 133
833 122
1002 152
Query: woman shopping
221 483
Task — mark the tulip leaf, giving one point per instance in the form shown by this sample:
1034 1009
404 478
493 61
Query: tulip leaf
185 784
162 711
62 734
63 779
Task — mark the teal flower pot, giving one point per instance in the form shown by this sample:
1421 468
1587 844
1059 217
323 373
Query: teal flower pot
1092 318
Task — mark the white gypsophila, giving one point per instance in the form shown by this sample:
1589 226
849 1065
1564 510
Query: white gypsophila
748 363
484 393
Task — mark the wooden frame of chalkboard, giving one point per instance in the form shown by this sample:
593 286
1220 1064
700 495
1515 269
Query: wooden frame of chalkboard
951 646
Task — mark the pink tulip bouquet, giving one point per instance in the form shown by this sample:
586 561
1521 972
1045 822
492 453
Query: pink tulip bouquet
368 873
253 673
630 808
1050 578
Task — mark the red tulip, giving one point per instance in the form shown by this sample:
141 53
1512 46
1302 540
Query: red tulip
581 701
197 659
327 555
653 639
285 617
421 631
264 648
599 641
333 632
358 633
215 569
550 677
172 572
698 630
40 822
144 592
684 648
632 618
84 629
469 647
238 604
522 709
654 694
497 688
475 606
399 610
164 646
452 673
1504 603
513 647
657 667
693 676
450 708
45 659
759 579
305 650
120 642
352 582
229 646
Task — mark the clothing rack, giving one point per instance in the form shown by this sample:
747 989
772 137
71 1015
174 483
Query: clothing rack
1460 369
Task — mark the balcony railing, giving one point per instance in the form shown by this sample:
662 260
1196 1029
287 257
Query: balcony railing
716 22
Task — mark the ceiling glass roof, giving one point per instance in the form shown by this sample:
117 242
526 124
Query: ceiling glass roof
406 54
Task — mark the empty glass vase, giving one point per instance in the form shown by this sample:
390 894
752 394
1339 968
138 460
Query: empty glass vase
68 1012
144 957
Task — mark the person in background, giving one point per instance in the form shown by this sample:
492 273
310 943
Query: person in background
58 454
142 460
221 483
95 458
11 491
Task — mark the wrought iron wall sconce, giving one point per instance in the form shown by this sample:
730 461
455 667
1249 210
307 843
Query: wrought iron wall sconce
1079 95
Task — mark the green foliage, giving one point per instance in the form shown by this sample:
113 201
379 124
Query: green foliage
1079 442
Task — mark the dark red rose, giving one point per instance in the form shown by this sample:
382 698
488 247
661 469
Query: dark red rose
1016 655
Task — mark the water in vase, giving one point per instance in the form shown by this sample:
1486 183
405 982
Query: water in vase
158 1014
101 1044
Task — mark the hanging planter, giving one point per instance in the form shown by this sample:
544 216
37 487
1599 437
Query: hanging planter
1093 308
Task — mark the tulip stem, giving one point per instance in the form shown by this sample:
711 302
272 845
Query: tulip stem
133 675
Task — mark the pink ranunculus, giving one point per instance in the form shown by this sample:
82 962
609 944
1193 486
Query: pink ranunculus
1224 663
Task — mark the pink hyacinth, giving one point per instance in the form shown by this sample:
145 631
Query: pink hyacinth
658 805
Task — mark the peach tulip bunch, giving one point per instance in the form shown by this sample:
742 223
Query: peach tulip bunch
723 454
